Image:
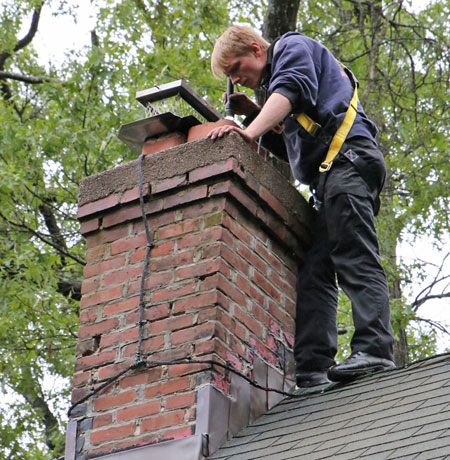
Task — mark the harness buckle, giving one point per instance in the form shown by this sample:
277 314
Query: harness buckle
324 167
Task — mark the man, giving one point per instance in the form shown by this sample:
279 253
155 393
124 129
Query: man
301 76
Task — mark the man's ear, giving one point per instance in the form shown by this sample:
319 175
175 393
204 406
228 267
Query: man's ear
256 49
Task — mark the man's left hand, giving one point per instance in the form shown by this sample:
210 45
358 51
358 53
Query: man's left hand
220 131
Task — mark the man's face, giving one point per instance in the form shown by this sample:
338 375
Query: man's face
246 70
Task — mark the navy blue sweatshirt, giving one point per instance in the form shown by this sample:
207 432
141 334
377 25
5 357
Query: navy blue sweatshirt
305 71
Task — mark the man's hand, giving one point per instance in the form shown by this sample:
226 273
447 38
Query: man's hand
240 104
220 131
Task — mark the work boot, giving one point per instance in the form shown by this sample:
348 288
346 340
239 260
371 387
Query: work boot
312 379
358 364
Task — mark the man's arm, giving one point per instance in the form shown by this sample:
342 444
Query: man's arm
276 108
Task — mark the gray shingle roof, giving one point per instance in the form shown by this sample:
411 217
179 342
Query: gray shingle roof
400 414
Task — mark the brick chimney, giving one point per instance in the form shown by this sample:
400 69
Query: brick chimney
228 232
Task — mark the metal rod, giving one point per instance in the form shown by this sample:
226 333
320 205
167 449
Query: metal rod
228 110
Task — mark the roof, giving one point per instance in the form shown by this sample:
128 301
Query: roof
398 414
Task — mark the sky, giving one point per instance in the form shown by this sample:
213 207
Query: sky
58 35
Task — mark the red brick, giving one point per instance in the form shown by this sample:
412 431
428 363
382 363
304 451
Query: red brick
89 286
109 434
208 236
149 345
179 401
172 418
195 302
106 372
185 196
174 260
219 188
120 276
114 401
88 226
106 236
102 420
153 280
123 245
95 254
283 318
177 433
185 369
231 291
102 267
210 251
151 313
249 322
164 142
168 387
234 260
168 184
266 286
97 206
245 286
171 324
119 307
237 230
273 203
253 258
133 194
99 359
173 293
273 261
202 331
97 328
264 352
88 316
120 337
160 249
290 307
81 378
214 204
145 377
157 221
180 228
284 287
101 296
243 199
138 411
213 170
200 269
124 214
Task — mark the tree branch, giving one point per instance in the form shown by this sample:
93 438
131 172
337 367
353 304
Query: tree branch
25 78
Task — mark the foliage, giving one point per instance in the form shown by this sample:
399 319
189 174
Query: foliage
59 123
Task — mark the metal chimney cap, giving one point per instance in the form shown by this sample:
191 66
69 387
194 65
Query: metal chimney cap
180 88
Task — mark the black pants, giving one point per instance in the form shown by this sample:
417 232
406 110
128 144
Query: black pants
345 247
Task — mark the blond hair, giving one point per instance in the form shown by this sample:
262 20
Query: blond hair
235 41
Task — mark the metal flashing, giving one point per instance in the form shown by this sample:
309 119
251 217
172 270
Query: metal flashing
71 440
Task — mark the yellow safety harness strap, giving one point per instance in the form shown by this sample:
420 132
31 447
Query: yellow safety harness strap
342 132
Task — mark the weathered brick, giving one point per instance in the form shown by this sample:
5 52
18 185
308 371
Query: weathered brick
98 359
273 261
178 433
119 307
283 318
122 215
104 266
205 237
156 221
180 400
88 226
177 229
151 313
234 260
202 331
243 199
149 345
231 290
95 254
266 286
244 317
97 328
105 372
254 293
138 411
106 236
168 184
171 324
172 293
186 369
171 261
89 285
122 245
120 337
115 400
273 202
185 196
101 296
172 419
145 377
213 170
153 280
102 420
97 206
88 316
200 269
160 249
167 387
213 204
81 378
115 432
195 302
133 194
120 276
219 188
237 230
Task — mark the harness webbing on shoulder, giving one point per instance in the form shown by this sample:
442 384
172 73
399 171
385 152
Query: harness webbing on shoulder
341 134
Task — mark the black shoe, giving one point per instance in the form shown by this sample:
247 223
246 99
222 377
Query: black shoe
358 364
312 379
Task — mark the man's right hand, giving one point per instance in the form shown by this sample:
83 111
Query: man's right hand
241 104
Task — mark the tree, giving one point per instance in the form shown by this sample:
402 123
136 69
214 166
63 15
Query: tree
59 123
